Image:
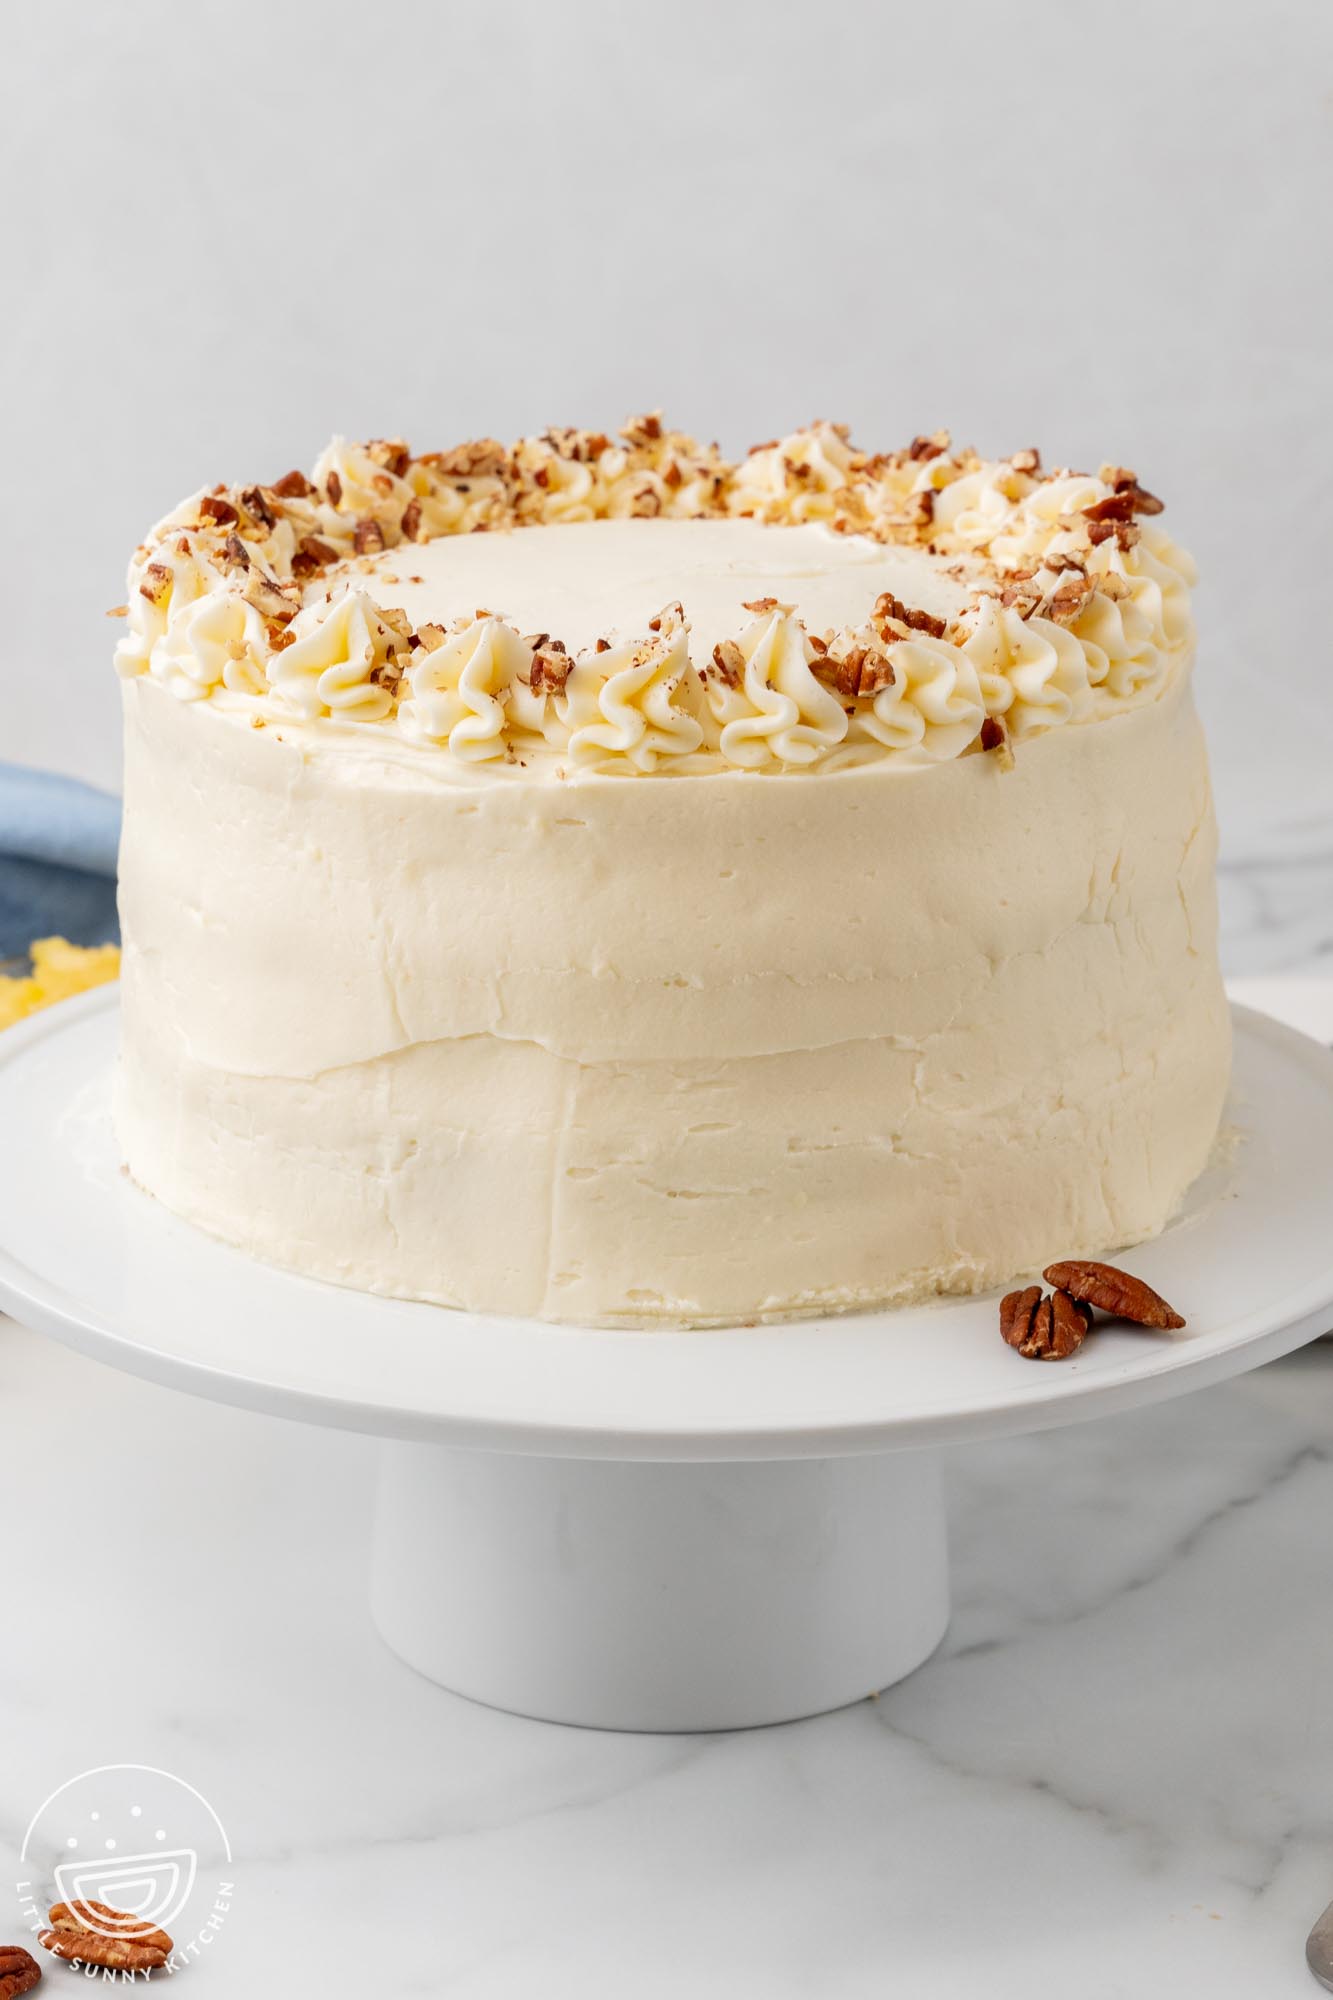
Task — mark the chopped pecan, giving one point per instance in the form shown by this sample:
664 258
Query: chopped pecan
876 672
551 668
395 619
333 486
19 1971
646 503
215 508
1027 461
923 448
429 637
1122 480
672 475
888 606
312 554
1125 532
1069 600
842 671
471 461
391 453
270 598
1115 507
728 662
411 521
1113 1291
367 536
293 486
255 501
117 611
235 554
761 606
643 430
156 584
581 446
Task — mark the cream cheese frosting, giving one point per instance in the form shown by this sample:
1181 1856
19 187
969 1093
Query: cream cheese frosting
433 987
1058 596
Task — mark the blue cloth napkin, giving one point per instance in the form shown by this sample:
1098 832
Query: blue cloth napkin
58 841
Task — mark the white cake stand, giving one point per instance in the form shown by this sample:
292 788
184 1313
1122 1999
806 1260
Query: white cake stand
647 1530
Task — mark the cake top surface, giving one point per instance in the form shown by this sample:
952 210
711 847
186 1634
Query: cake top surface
591 580
575 603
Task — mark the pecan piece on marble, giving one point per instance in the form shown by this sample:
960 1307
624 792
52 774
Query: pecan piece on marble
1113 1291
89 1916
19 1971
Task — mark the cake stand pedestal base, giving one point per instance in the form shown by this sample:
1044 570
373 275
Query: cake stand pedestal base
660 1596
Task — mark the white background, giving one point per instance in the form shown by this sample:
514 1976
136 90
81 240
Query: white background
231 230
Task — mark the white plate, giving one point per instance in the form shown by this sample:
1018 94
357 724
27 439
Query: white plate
86 1257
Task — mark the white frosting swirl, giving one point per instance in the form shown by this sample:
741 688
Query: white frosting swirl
1031 670
629 701
779 712
328 668
457 692
933 707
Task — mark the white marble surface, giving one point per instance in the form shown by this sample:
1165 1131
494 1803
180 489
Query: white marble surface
1111 1781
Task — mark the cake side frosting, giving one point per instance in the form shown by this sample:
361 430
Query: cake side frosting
1024 601
659 1053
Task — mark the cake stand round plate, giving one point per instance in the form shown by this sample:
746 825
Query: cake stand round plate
647 1529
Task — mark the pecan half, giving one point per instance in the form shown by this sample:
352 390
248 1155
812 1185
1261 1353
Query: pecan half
91 1948
83 1916
1043 1329
19 1971
95 1934
1016 1311
367 536
1113 1291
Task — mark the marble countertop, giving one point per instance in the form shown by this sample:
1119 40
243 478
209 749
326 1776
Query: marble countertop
1112 1780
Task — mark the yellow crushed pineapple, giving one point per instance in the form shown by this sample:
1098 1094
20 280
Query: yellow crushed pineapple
59 969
